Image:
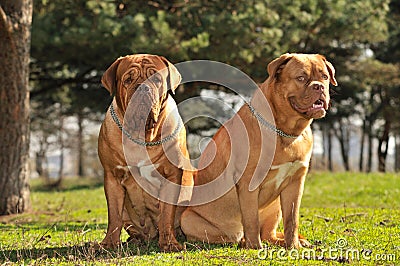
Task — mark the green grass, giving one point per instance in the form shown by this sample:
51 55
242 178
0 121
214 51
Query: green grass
358 212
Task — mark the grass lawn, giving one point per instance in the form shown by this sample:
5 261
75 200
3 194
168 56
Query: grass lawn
350 218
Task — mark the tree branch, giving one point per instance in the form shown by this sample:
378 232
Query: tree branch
60 82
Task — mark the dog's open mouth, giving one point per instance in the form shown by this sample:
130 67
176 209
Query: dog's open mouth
320 105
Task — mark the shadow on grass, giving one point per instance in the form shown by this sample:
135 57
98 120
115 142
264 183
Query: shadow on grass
67 184
91 252
71 226
87 252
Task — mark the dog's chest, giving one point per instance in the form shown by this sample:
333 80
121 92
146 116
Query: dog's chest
150 173
284 171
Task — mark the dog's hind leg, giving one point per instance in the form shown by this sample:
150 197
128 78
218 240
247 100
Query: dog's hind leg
197 228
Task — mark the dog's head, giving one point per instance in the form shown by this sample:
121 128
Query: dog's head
302 82
143 81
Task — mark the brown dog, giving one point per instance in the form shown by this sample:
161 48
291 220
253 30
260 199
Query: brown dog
139 142
242 151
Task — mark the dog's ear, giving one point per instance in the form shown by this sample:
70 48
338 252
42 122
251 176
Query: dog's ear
109 79
276 66
174 77
331 71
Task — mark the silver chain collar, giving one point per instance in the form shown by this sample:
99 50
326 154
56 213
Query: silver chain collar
140 142
268 125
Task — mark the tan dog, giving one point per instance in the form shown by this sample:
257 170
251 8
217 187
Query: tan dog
297 91
151 126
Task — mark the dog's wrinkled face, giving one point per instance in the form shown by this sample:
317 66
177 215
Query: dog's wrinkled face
143 82
303 81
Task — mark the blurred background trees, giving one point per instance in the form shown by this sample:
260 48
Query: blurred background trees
74 41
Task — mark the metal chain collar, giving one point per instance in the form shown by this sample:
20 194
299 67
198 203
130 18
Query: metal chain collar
268 125
140 142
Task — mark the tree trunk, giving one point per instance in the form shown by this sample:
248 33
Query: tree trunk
80 146
369 159
383 140
330 164
343 135
397 154
41 164
325 129
327 146
62 147
15 26
383 146
370 118
361 161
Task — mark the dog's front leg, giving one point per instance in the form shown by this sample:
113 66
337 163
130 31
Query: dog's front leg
290 203
115 196
169 192
248 201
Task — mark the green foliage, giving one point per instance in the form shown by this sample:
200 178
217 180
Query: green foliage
360 209
94 33
388 52
73 42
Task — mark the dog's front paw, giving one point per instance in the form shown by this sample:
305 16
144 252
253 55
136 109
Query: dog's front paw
276 241
248 244
170 245
112 245
109 242
279 240
304 243
300 242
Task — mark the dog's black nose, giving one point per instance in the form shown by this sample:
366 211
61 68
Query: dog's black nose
144 88
318 87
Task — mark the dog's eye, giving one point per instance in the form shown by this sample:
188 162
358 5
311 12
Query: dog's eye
128 81
157 80
325 77
301 78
